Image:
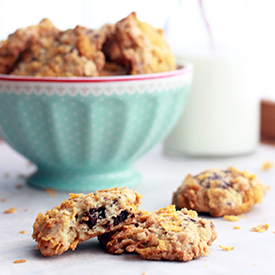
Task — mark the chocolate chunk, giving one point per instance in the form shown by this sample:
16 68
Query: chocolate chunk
121 217
92 219
93 215
192 220
107 225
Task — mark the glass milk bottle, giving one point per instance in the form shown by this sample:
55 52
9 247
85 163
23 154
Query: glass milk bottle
222 114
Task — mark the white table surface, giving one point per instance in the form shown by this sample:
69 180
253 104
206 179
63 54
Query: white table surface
253 253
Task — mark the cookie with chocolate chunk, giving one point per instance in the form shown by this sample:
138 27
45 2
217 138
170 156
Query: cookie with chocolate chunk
220 192
143 47
82 217
165 234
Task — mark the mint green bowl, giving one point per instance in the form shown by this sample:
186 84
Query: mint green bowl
84 134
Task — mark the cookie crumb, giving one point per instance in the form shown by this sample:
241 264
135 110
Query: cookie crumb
50 192
6 175
19 186
22 176
226 248
4 200
236 227
254 264
143 273
22 232
19 261
260 228
267 165
29 163
25 210
10 210
205 266
231 218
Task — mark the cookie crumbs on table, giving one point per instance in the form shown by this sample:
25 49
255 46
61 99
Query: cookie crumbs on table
19 261
10 210
260 228
231 218
267 165
19 186
236 227
226 248
22 232
50 192
3 200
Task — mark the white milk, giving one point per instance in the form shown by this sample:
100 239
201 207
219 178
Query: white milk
222 114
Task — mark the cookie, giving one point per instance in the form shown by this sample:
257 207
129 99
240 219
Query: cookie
82 217
144 48
74 52
166 234
18 42
220 192
111 48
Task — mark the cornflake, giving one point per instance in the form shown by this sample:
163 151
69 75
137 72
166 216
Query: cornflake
226 248
260 228
19 261
11 210
231 218
267 165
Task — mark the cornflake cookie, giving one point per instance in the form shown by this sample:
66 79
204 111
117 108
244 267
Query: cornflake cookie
166 234
144 48
82 217
74 52
220 192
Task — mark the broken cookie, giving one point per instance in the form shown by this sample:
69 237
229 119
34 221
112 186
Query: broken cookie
82 217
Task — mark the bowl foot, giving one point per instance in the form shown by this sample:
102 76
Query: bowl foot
84 182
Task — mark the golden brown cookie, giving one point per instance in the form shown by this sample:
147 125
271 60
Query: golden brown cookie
82 217
166 234
143 47
12 48
220 192
74 52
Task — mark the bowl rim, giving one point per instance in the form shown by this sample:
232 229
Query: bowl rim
183 68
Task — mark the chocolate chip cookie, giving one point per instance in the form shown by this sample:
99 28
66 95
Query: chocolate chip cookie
220 192
166 234
82 217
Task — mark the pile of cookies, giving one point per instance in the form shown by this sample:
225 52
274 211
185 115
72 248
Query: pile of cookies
114 217
127 47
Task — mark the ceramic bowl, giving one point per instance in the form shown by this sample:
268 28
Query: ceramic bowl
84 134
